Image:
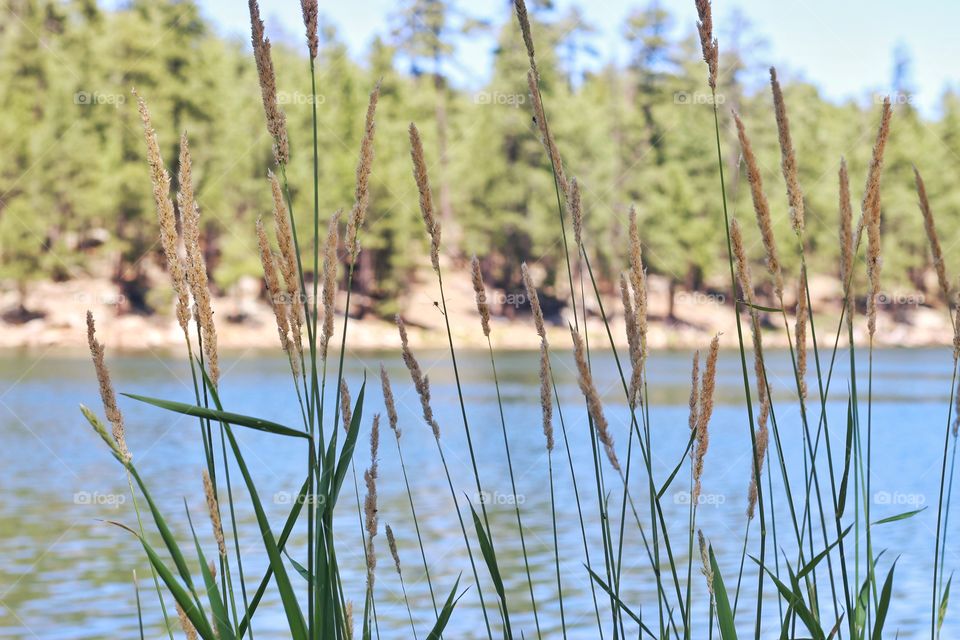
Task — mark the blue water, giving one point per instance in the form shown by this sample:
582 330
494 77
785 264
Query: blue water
66 573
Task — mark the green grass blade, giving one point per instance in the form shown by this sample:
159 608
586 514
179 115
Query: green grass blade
186 601
884 604
220 416
446 612
490 557
728 630
944 601
221 618
900 516
845 479
626 609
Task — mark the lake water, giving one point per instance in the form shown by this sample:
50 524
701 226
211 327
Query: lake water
65 573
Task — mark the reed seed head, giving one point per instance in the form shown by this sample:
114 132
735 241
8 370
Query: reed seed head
370 478
345 406
166 216
480 293
761 207
704 413
575 205
524 19
638 282
420 381
633 341
870 215
801 334
744 279
546 397
364 166
276 120
107 394
213 508
329 281
708 44
188 629
936 251
763 441
694 403
540 117
534 302
846 228
310 11
392 543
388 401
288 265
196 263
426 199
594 406
788 159
272 281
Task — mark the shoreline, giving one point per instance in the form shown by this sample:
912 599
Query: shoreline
245 322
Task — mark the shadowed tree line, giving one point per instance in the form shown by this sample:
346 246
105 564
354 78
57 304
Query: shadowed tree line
75 197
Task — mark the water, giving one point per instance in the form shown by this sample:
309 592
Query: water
66 573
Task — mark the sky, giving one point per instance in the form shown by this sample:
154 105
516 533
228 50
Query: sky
845 47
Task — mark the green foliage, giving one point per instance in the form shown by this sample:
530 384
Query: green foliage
76 193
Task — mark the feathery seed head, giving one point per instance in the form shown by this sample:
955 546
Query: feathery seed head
801 334
276 120
708 44
846 228
576 211
788 160
273 288
534 301
694 391
480 294
370 478
594 406
936 251
704 413
707 568
546 398
388 400
188 629
392 543
288 264
310 11
420 381
364 166
107 394
426 199
539 115
870 215
329 281
345 411
213 507
166 216
761 207
524 19
196 263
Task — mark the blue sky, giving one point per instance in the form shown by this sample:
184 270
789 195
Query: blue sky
843 46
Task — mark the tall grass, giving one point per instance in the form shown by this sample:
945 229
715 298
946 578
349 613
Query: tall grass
216 599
